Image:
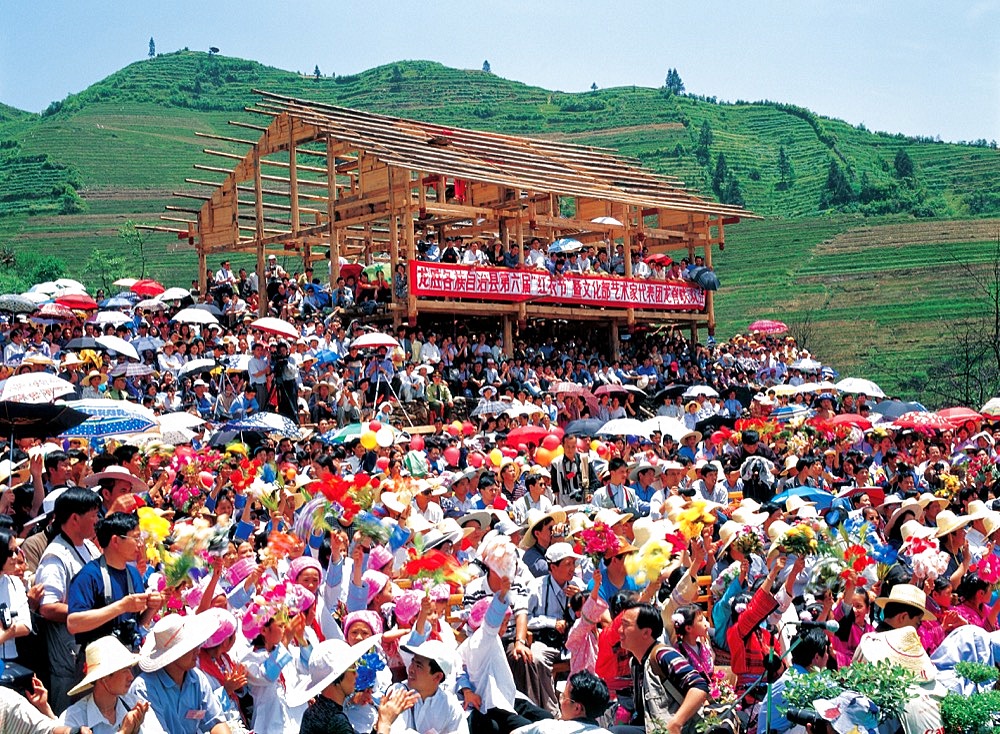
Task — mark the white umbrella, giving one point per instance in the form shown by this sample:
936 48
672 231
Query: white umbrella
116 344
110 317
806 365
36 296
174 294
624 427
606 220
667 426
70 283
375 340
859 385
992 408
696 390
126 282
34 387
278 327
145 343
150 304
194 316
177 436
180 419
824 386
46 287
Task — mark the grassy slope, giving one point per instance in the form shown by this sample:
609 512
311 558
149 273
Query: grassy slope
878 285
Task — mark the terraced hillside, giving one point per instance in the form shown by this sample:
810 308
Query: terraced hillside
879 287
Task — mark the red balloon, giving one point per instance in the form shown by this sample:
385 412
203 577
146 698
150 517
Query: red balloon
452 429
382 463
718 437
468 429
452 455
476 460
509 452
551 442
522 448
374 426
582 445
417 443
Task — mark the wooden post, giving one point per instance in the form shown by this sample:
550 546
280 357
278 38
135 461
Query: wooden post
331 211
393 244
202 270
627 241
258 195
411 245
709 295
508 337
293 180
615 343
522 308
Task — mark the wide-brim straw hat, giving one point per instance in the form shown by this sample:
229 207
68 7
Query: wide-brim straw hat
927 499
795 503
909 595
991 523
746 516
536 517
915 528
790 463
116 472
640 467
173 637
900 647
910 505
948 522
95 373
105 656
727 534
330 659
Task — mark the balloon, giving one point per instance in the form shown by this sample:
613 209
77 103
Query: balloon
206 478
543 457
289 473
509 452
468 429
603 451
581 445
718 437
594 444
453 429
522 448
374 426
382 463
417 443
476 460
368 440
171 475
452 455
551 442
496 456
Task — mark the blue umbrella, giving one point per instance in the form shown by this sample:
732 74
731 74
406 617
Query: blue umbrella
704 277
327 356
787 412
129 296
265 423
566 244
116 302
584 427
822 498
892 409
114 419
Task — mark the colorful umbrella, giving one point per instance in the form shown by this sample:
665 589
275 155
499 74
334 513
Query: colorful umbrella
531 434
111 418
992 408
768 327
37 420
852 419
918 419
265 423
960 415
132 369
14 303
55 311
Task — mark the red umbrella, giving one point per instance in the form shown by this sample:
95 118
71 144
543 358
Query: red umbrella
767 326
958 416
661 258
532 434
77 300
147 288
852 419
919 419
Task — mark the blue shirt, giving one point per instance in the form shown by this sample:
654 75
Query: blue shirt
86 592
189 709
778 721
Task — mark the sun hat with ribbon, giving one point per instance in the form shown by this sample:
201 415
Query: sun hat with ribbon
227 625
117 472
330 659
173 637
535 518
104 656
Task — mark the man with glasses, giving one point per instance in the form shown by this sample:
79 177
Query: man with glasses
108 596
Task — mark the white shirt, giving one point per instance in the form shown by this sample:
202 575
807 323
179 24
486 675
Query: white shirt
85 713
13 595
430 353
439 714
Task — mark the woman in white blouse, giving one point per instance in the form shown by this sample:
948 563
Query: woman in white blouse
13 599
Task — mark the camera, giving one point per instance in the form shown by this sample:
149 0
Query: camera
805 717
7 616
127 632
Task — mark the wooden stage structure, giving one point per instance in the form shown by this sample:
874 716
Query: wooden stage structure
325 183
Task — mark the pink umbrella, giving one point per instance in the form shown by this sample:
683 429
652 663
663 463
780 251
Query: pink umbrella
278 327
55 311
852 419
767 326
147 288
959 415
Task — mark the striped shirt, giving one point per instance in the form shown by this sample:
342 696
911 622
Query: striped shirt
18 716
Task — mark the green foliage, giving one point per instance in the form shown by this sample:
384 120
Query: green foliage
721 174
975 714
701 151
786 173
152 47
316 72
486 67
838 191
904 164
885 684
673 83
104 266
976 672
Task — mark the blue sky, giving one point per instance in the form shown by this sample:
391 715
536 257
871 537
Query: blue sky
915 67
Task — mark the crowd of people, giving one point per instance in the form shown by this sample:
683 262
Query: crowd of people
507 566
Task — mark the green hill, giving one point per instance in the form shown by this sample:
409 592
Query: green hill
863 251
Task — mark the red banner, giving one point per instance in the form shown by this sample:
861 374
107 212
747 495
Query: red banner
439 280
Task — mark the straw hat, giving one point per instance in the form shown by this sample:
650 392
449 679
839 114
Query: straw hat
646 528
624 547
95 373
909 595
910 505
777 529
727 534
977 510
15 473
914 528
948 522
790 463
673 505
578 522
746 516
391 502
795 503
535 517
927 499
638 468
173 637
104 656
991 523
480 517
116 472
330 659
900 647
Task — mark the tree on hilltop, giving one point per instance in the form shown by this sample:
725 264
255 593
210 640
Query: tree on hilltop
316 72
486 67
721 175
152 47
673 83
701 151
593 87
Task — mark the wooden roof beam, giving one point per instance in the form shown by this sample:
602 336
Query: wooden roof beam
225 139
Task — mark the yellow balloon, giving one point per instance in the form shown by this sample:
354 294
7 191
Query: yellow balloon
368 440
496 457
558 452
594 444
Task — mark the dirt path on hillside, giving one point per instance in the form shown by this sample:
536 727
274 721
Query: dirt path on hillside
611 131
